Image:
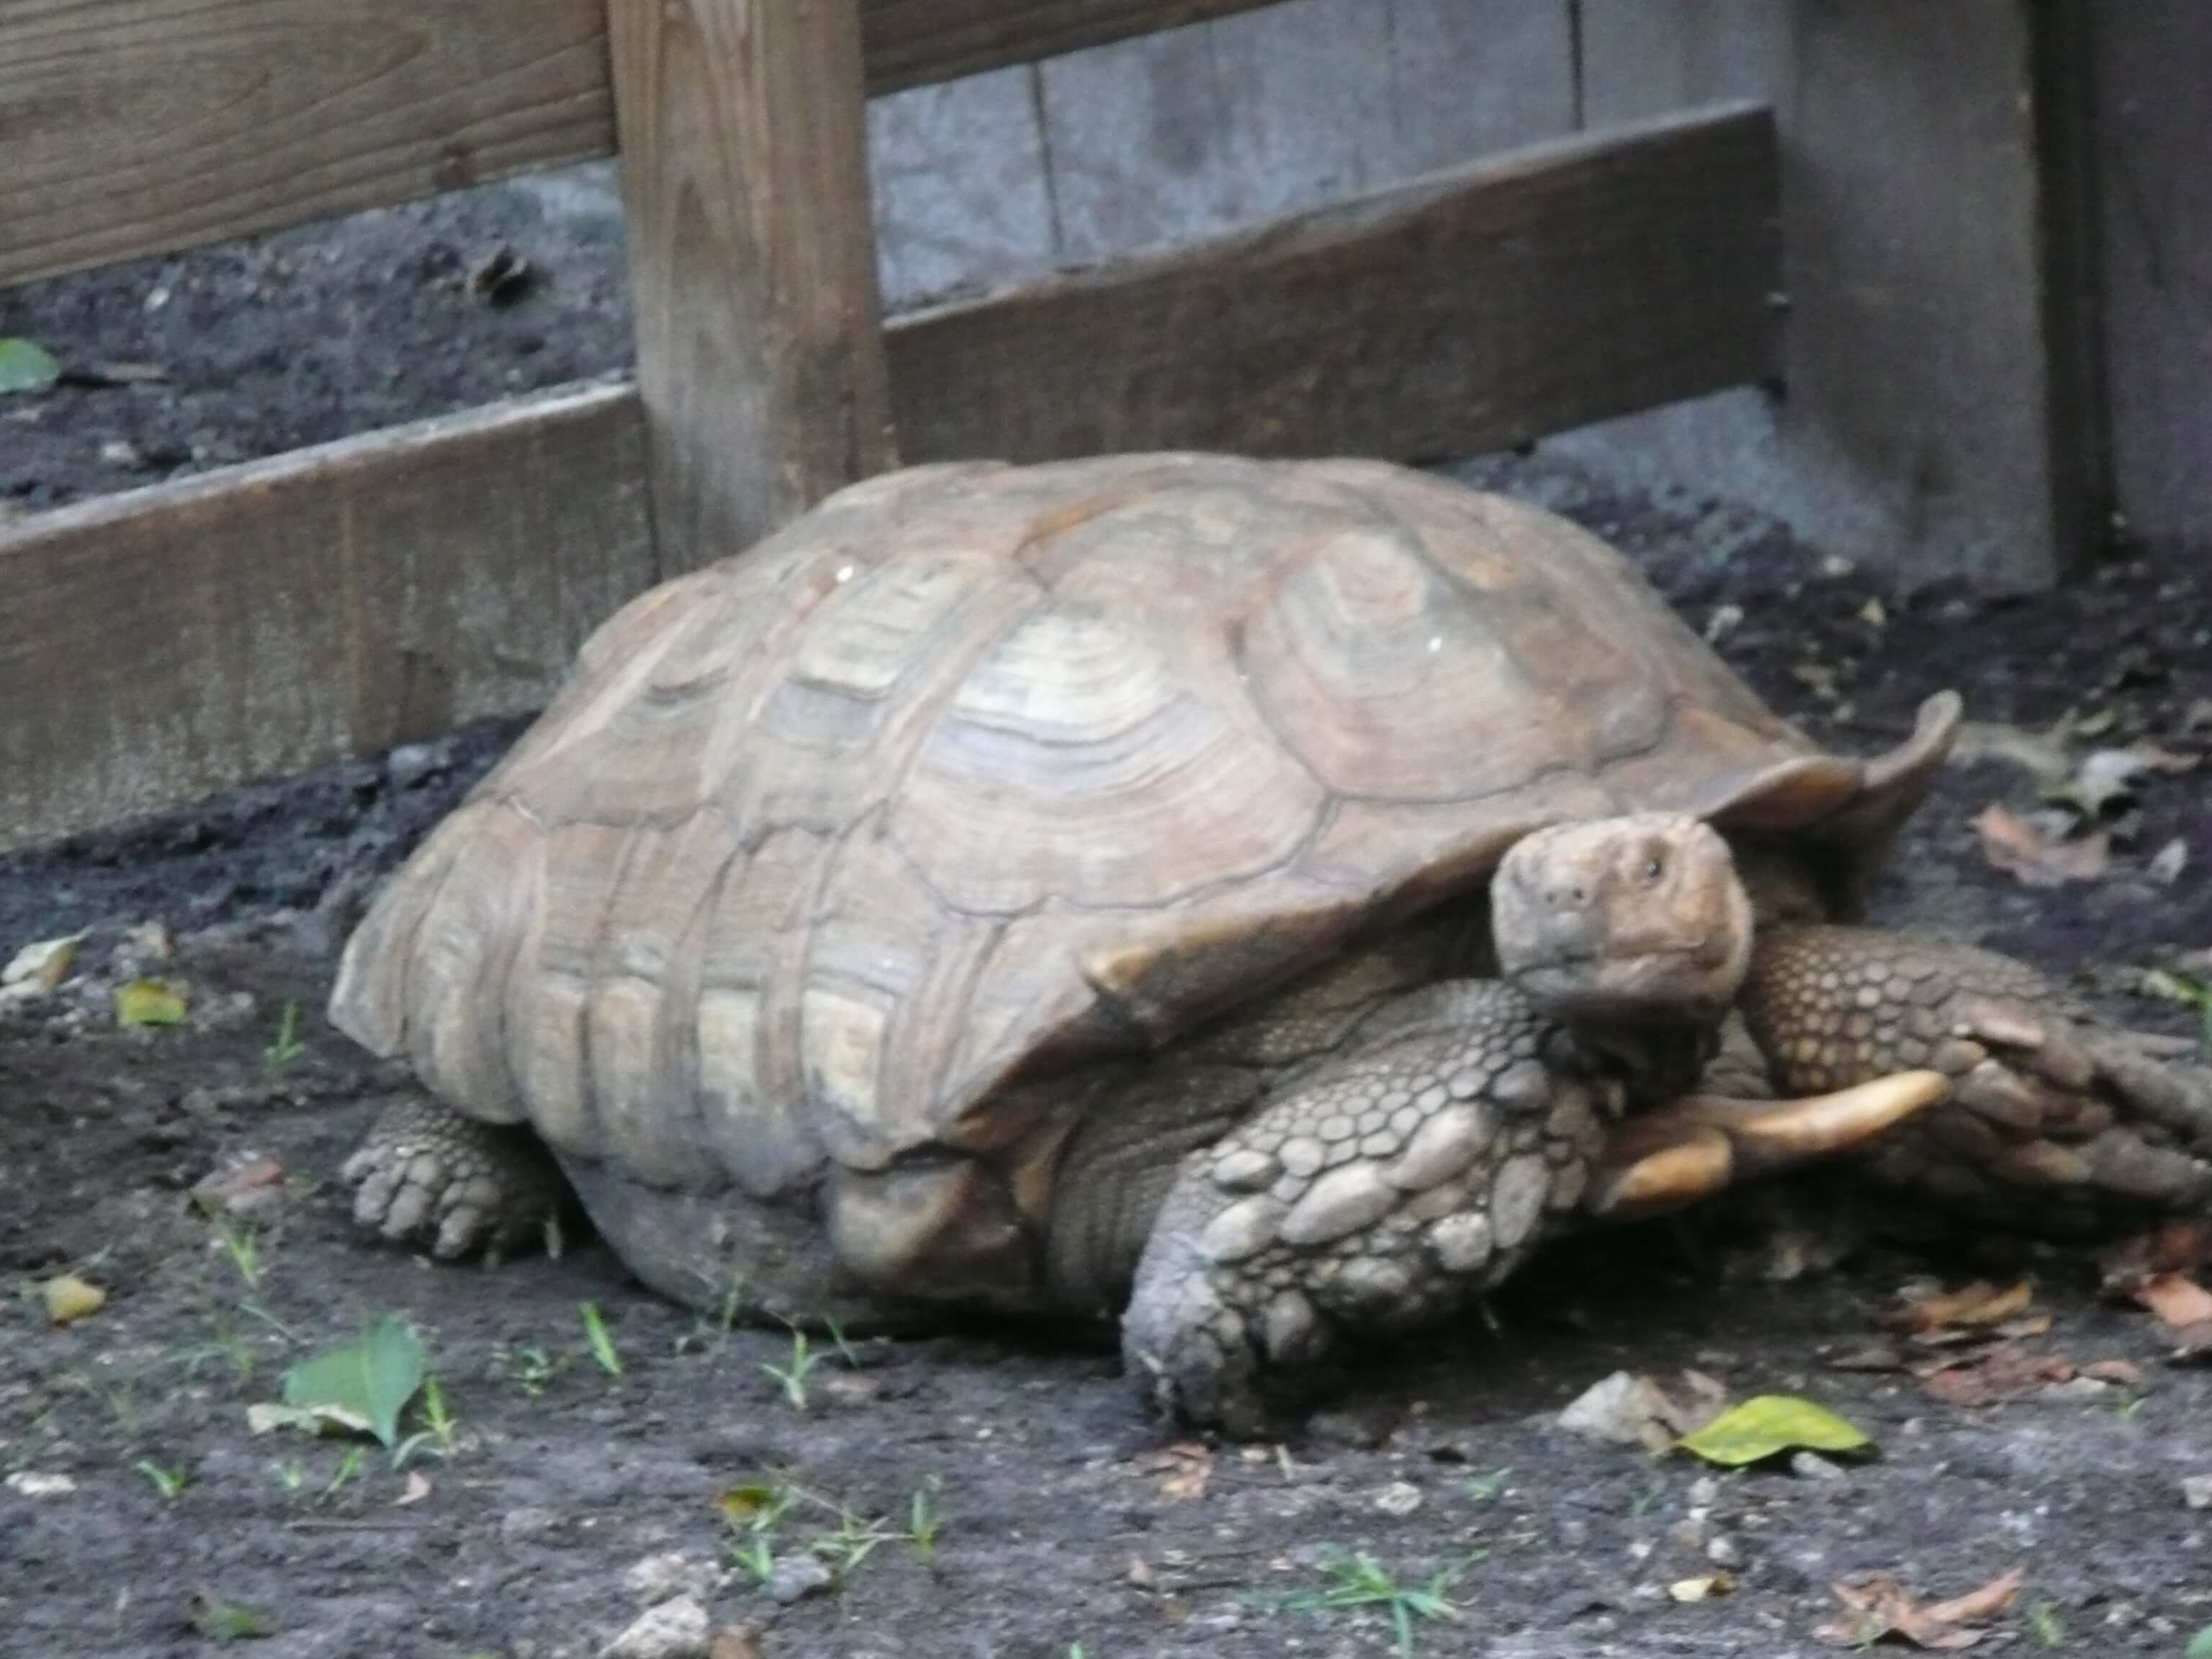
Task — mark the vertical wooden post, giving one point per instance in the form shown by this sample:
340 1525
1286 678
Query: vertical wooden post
752 261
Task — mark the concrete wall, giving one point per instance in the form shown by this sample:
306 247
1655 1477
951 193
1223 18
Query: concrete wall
2153 120
1175 135
1918 431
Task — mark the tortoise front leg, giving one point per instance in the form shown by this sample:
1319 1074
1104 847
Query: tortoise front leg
1388 1188
2056 1124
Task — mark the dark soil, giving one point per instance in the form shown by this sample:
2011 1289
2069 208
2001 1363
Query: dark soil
1065 1518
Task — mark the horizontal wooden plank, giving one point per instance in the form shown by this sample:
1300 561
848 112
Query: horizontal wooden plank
912 43
1526 294
134 127
162 644
140 126
165 643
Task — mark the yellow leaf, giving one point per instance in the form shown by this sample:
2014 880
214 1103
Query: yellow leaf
1772 1423
149 1002
1699 1589
742 1504
68 1298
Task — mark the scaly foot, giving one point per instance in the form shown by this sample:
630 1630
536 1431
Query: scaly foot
427 1173
2056 1124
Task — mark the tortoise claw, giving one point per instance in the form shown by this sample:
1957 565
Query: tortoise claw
1693 1147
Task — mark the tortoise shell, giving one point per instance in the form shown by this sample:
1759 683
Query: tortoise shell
975 772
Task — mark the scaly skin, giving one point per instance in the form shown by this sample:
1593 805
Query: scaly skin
427 1174
2055 1125
1388 1190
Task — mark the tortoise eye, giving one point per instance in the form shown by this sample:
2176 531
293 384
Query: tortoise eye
1654 868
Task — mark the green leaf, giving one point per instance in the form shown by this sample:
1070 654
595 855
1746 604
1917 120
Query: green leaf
368 1382
26 365
2200 1645
1771 1423
149 1002
226 1622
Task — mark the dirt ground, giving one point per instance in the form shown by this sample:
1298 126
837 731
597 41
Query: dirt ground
564 1497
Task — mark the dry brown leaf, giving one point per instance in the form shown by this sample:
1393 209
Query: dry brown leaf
2192 1344
1977 1606
2018 849
2115 1371
1882 1607
1990 1374
2158 758
736 1641
1193 1466
2176 1248
1980 1303
2176 1299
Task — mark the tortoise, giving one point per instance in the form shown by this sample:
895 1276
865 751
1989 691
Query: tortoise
1261 900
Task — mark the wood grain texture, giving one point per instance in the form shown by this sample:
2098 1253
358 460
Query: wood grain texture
1924 428
134 127
913 42
752 262
162 644
1468 310
139 126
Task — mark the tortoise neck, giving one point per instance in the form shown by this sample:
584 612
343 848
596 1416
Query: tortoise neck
1654 1062
1784 885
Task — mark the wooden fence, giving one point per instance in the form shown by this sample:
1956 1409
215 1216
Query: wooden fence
162 643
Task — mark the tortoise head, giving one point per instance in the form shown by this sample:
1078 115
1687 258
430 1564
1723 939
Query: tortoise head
1634 921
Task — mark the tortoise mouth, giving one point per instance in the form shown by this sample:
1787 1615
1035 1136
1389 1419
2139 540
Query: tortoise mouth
1580 984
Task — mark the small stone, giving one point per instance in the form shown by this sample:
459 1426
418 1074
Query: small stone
1243 1230
1399 1497
33 1483
1460 1243
1440 1149
1517 1200
2196 1490
1811 1466
1246 1170
658 1578
1340 1203
1704 1492
1721 1551
522 1526
677 1629
249 1187
795 1578
412 762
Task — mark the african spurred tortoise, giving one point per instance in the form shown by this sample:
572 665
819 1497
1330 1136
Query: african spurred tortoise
1261 900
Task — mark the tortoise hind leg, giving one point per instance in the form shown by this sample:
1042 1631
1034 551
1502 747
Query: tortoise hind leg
427 1173
2058 1124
